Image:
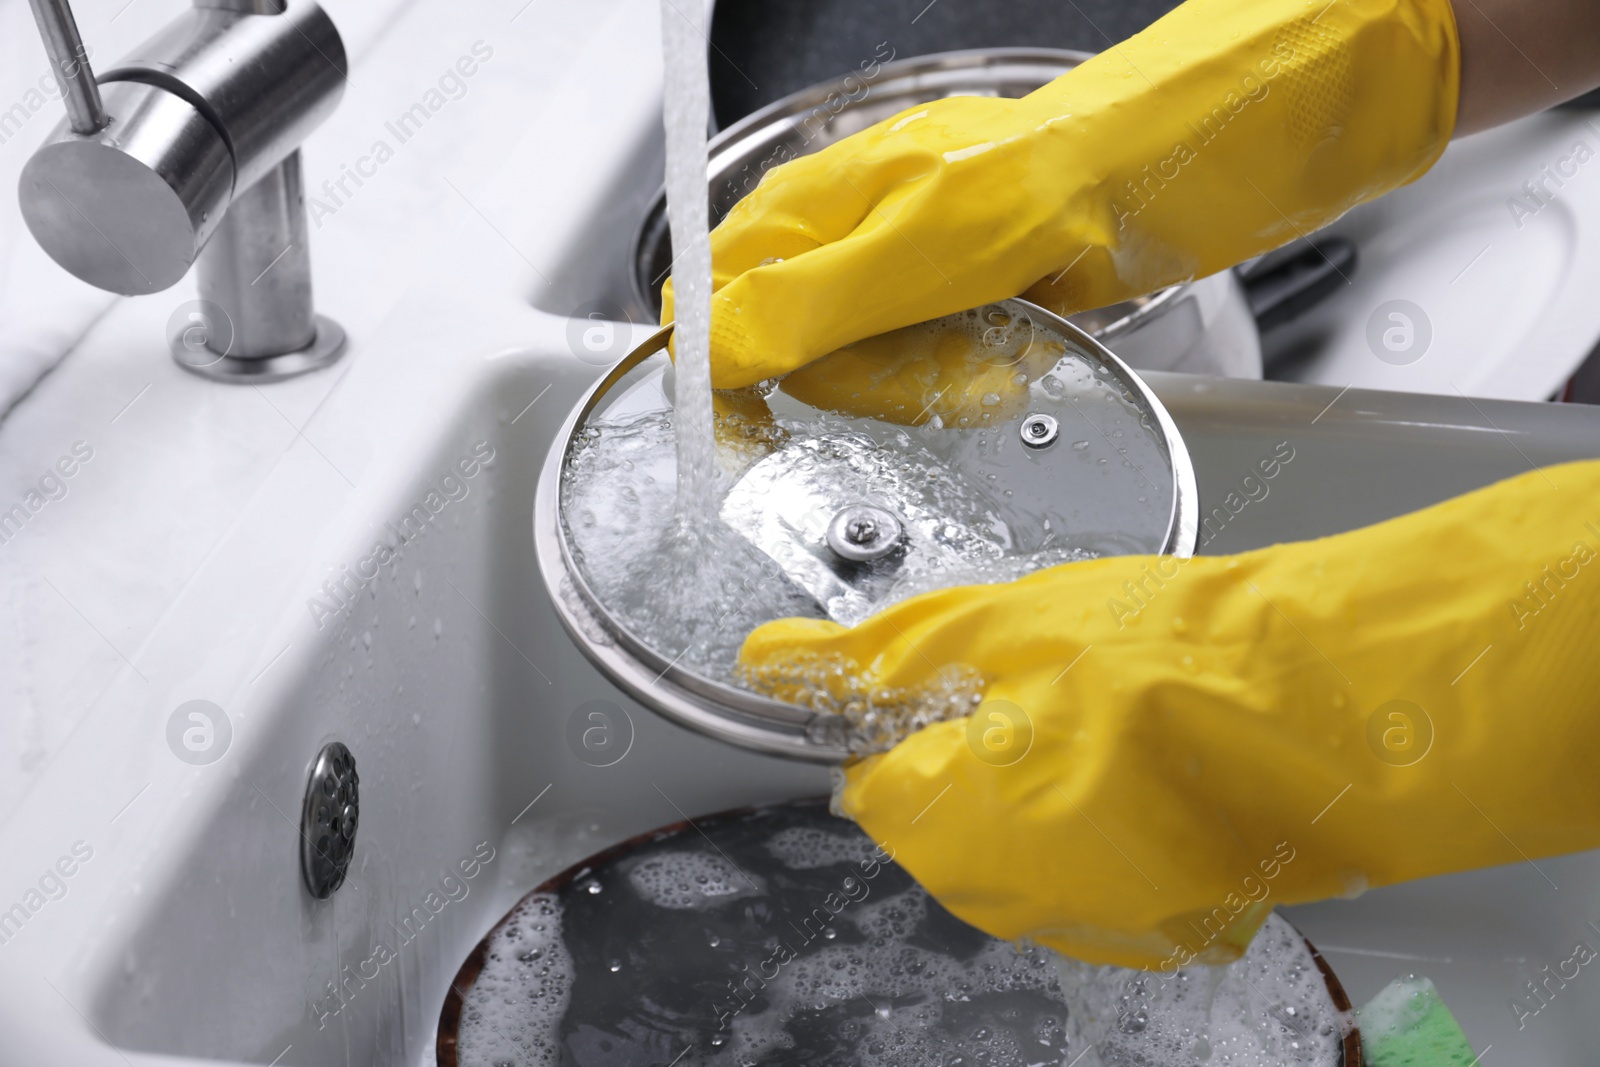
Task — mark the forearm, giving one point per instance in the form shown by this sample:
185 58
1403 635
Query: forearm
1519 57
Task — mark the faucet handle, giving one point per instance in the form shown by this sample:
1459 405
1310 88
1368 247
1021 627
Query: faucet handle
213 103
70 61
128 207
125 200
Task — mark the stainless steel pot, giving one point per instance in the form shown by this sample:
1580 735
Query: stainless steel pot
1203 327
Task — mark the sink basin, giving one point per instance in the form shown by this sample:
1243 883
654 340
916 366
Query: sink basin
464 704
452 683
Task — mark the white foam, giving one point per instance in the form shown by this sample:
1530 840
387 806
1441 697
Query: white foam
908 988
804 848
1269 1009
1401 1005
896 1002
892 918
513 1011
679 880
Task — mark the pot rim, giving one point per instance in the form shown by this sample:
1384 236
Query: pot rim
766 127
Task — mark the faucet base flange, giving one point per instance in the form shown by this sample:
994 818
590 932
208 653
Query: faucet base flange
324 350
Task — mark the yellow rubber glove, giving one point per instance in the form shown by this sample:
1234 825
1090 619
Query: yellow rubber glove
941 368
1225 129
1199 741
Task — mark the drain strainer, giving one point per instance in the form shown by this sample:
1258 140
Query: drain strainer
328 820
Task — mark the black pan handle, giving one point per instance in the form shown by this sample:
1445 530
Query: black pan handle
1590 99
1283 285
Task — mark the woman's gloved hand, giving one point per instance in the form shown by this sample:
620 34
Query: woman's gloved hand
1225 129
1170 748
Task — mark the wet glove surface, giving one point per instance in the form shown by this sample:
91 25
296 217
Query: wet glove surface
1170 748
1223 130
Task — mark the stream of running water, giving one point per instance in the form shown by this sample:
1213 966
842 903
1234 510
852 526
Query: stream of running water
686 114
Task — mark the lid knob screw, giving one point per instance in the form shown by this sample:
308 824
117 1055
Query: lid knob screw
861 533
861 530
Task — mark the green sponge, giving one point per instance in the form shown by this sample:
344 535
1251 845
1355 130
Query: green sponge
1407 1025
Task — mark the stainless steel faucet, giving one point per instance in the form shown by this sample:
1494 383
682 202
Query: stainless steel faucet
188 149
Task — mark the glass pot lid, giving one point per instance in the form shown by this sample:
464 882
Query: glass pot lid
974 448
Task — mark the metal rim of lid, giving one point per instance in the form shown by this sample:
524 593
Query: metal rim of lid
761 132
726 712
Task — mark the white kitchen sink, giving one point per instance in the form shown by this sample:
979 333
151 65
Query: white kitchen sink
188 932
453 685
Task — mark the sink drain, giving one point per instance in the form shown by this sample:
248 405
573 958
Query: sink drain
328 820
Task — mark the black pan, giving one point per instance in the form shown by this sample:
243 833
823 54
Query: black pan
648 982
